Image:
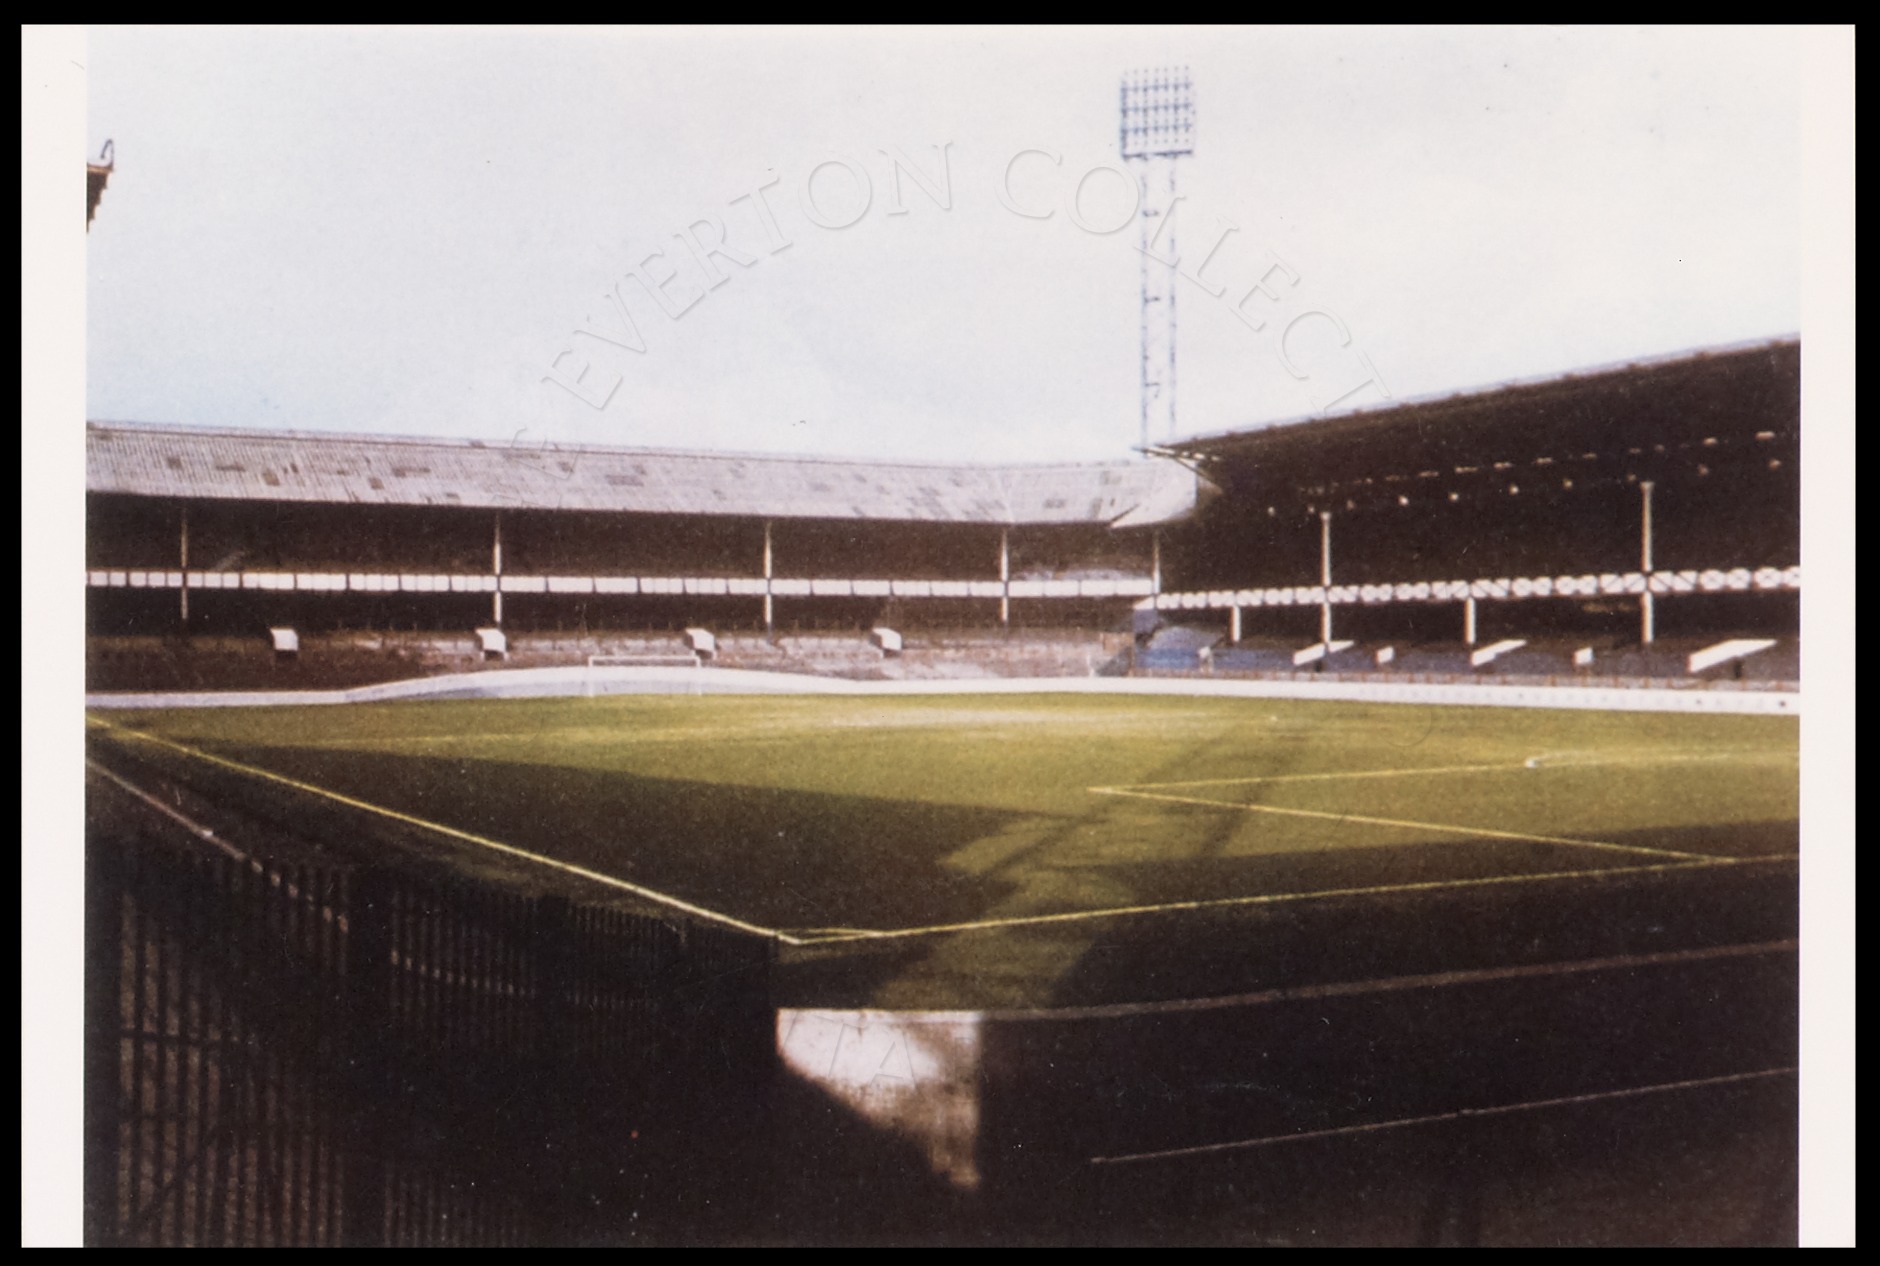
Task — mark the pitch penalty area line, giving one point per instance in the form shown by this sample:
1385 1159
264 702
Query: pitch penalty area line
1483 832
1550 761
1328 776
451 832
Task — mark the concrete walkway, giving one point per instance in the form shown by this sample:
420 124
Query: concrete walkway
531 683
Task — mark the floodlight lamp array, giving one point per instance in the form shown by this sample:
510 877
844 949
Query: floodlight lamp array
1158 115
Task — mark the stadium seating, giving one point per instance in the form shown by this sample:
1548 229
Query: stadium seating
340 660
1254 656
1667 657
1781 662
1434 657
233 663
1535 659
1178 637
936 656
1152 659
1354 658
830 655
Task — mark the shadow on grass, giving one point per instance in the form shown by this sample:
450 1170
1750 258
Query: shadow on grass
1602 911
1568 905
803 860
780 858
1711 1167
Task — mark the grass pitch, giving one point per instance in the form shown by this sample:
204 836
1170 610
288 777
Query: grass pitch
962 850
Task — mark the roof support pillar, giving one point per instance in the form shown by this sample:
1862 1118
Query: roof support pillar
1005 576
182 552
1647 616
496 568
770 613
1325 579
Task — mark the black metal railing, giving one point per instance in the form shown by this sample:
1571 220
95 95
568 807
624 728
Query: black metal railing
330 1054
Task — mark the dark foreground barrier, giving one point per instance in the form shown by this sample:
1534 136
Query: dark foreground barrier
336 1054
1597 1059
1639 1099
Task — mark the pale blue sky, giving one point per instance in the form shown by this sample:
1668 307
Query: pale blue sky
397 231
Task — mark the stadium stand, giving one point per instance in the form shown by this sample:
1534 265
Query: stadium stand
936 655
1176 637
1781 662
1632 509
1254 656
1536 659
1642 511
200 534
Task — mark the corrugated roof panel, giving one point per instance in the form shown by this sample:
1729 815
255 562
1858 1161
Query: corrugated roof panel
220 464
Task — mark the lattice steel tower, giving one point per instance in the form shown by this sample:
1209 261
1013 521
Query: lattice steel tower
1158 126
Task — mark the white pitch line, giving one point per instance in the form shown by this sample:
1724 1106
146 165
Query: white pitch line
1544 760
1397 984
801 937
1479 831
452 832
1462 1114
1328 776
1276 898
210 838
189 824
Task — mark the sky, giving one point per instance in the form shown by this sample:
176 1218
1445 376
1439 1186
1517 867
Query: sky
438 232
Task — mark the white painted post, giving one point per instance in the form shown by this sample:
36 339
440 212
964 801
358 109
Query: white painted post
1647 616
770 622
1645 527
183 554
1468 620
1325 577
1233 625
496 567
1005 577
